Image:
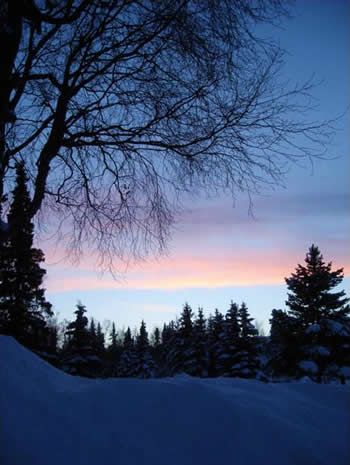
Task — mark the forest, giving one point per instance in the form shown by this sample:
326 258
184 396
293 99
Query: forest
310 338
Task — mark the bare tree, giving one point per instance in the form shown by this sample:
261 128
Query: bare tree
117 107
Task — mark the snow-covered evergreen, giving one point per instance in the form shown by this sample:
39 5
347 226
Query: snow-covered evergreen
320 320
79 356
145 365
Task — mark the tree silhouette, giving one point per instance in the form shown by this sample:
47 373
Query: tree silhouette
23 306
77 331
310 299
80 354
320 318
121 106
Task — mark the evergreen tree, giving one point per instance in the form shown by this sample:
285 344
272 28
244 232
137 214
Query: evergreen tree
216 336
127 365
168 350
113 352
156 349
142 342
321 318
231 339
200 344
23 307
232 326
145 364
79 356
128 339
100 340
77 332
248 330
113 338
283 344
247 365
186 355
173 349
156 339
186 323
92 334
310 299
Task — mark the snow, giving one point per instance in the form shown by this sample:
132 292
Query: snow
239 365
344 371
50 417
3 226
224 356
308 366
315 328
322 351
305 379
93 358
337 328
77 359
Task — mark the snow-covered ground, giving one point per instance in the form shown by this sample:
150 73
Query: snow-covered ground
50 418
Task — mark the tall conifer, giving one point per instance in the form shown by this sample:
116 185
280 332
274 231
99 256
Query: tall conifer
23 306
310 299
322 324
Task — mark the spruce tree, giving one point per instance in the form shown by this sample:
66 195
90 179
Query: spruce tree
113 352
232 326
100 340
310 298
142 342
92 334
113 346
178 343
216 336
200 344
23 307
283 344
231 339
169 349
79 356
247 328
186 360
127 364
247 365
77 331
145 364
322 325
156 340
173 349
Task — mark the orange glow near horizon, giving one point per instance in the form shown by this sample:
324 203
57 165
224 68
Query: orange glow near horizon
181 273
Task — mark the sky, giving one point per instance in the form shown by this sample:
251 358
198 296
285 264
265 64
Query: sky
218 251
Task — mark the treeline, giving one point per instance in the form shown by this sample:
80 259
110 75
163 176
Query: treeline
311 338
221 345
311 341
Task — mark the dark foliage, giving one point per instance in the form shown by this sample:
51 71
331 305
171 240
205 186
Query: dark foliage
310 299
313 337
23 307
80 352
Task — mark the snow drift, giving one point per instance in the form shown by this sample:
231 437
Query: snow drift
49 417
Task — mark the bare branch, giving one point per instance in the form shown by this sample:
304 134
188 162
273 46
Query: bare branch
122 106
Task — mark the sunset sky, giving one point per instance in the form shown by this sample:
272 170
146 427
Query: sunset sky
218 251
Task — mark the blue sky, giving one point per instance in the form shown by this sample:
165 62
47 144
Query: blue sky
220 253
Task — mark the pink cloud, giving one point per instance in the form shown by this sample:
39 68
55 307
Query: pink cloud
239 269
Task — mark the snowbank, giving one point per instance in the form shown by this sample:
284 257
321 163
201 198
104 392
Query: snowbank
49 417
